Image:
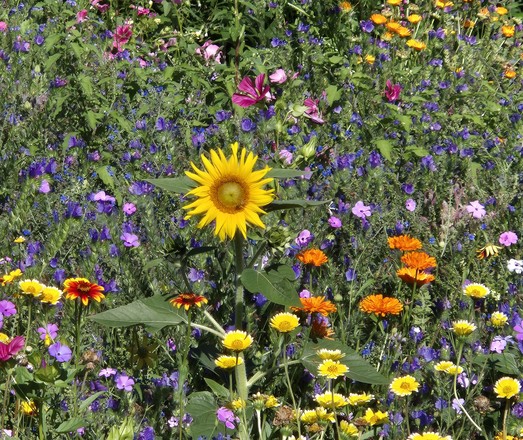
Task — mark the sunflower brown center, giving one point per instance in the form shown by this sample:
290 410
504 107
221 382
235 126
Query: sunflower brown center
230 196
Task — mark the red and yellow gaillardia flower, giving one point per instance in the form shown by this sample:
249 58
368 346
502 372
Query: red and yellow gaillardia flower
82 288
188 300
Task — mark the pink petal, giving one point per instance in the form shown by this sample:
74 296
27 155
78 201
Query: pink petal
242 100
260 79
16 345
246 86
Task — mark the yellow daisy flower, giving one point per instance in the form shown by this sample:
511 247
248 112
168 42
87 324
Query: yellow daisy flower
428 436
227 362
375 418
349 429
463 327
331 400
8 278
360 399
285 322
19 240
238 403
498 319
237 340
229 192
476 290
454 370
443 365
333 355
507 387
31 287
50 295
332 369
28 408
317 415
404 386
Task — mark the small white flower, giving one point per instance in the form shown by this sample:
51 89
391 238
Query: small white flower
515 266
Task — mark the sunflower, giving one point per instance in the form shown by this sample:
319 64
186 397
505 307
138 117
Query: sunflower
31 287
331 400
237 340
507 387
404 243
285 322
418 260
83 289
380 305
188 300
227 362
463 328
312 257
490 250
332 369
404 386
476 290
413 276
229 192
315 304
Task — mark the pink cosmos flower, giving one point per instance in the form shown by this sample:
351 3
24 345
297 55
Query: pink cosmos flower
251 93
210 52
278 77
7 351
360 210
508 238
81 16
476 209
313 112
392 91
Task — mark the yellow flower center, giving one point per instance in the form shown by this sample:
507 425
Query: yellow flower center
229 196
405 386
237 345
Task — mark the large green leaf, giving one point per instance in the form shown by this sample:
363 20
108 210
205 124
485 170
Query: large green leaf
274 283
154 313
180 185
202 408
359 369
71 425
293 203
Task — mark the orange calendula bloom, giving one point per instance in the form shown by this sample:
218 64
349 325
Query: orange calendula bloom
404 243
312 257
416 45
404 32
414 18
510 73
188 300
393 26
508 31
315 304
413 276
378 19
418 260
381 305
83 289
345 6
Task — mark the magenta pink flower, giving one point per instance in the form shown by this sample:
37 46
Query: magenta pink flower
121 36
508 238
7 351
3 26
210 52
313 112
100 5
251 93
392 91
81 16
278 77
476 209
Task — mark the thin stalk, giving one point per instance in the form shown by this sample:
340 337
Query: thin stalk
289 385
213 322
183 372
505 414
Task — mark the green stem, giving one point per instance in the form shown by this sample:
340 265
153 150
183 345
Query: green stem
505 414
213 322
182 373
289 385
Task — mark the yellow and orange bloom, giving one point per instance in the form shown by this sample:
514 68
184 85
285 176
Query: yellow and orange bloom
508 31
82 288
463 328
416 44
333 355
404 386
228 362
414 18
413 276
331 400
312 257
332 369
345 6
315 304
375 418
490 250
507 387
237 340
349 429
188 300
394 2
31 287
360 399
510 73
378 19
476 290
380 305
50 295
430 435
441 4
404 243
285 322
320 329
8 278
498 319
418 260
19 240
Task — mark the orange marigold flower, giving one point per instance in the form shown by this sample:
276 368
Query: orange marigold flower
312 257
381 305
393 26
83 289
411 276
404 32
345 6
404 243
509 73
416 44
418 260
508 31
378 19
188 300
316 304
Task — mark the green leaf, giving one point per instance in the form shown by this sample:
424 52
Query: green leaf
275 284
85 403
473 168
504 363
281 173
293 203
179 185
202 408
418 151
333 94
47 374
217 389
92 119
385 146
359 369
104 176
52 60
335 59
71 425
23 375
154 313
86 85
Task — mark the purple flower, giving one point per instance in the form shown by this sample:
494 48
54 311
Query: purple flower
313 112
360 210
498 344
304 238
508 238
476 209
129 208
107 372
62 353
392 91
408 188
227 417
50 330
519 331
124 382
7 308
410 205
457 404
278 77
351 274
130 240
366 26
335 222
44 187
1 321
251 93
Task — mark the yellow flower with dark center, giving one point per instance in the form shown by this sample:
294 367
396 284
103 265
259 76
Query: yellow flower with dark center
404 243
360 399
380 305
428 436
230 192
375 418
228 362
416 44
31 287
498 319
507 387
349 429
8 278
332 369
312 257
82 288
331 400
28 408
143 353
476 290
50 295
404 386
463 328
333 355
188 300
285 322
490 250
237 340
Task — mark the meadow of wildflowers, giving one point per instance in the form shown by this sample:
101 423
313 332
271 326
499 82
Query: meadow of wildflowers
288 219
